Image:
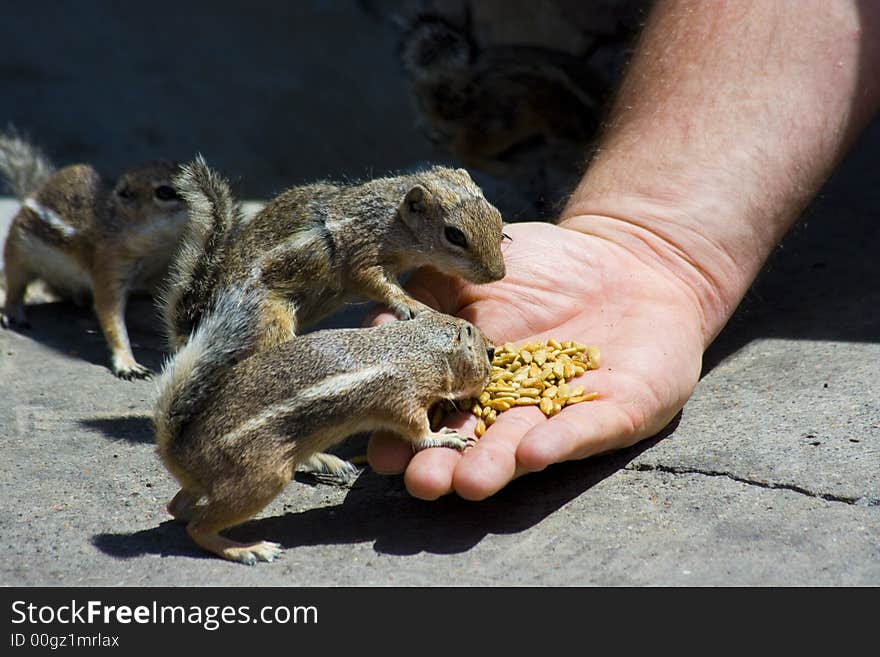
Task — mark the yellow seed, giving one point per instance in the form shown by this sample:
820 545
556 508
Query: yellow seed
553 343
500 404
559 370
577 392
534 383
486 411
550 392
568 351
568 344
509 347
590 396
526 356
556 407
528 392
540 357
574 400
563 391
490 419
484 398
568 370
534 371
500 389
546 405
480 428
477 410
595 357
546 373
527 401
578 370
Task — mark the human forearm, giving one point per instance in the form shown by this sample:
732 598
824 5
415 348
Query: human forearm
730 118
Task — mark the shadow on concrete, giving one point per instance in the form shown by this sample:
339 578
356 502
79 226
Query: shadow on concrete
379 509
74 331
130 428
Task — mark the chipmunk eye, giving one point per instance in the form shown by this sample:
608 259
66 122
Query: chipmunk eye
454 236
491 353
165 193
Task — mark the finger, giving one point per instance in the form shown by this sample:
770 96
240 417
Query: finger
579 431
379 316
429 474
388 454
492 463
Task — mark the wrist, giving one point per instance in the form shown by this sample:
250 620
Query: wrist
714 275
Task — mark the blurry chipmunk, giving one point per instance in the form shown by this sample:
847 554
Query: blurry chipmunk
86 237
520 113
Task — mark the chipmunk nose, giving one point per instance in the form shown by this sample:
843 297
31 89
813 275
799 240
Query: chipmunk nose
491 352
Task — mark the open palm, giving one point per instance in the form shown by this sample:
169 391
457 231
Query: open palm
569 285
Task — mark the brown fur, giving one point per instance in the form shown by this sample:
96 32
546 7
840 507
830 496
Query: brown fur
235 449
314 246
86 237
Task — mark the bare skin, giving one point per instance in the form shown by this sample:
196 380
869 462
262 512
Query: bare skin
729 120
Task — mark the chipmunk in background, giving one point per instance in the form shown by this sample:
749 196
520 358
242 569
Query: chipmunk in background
88 237
233 421
313 247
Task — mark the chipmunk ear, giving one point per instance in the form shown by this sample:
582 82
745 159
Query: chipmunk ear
414 207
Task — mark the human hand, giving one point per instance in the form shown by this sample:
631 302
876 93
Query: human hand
572 281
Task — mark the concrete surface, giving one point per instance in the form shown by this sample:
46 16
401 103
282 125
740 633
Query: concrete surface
771 476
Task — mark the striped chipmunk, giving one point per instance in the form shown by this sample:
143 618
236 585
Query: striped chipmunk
233 421
88 237
314 246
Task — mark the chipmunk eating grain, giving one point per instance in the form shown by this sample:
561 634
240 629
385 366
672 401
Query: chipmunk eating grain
85 236
314 246
232 424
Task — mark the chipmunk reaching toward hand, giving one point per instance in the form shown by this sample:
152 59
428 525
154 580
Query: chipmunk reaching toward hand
232 423
86 236
314 246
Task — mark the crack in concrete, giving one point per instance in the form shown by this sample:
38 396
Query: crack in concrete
830 497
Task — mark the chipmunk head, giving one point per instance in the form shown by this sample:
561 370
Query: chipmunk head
458 230
466 350
431 47
146 193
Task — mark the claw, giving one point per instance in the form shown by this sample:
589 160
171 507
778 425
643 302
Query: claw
132 372
253 554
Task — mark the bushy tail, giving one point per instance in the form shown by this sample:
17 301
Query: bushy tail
23 165
224 336
195 270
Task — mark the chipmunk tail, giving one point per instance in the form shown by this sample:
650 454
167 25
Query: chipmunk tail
196 266
23 166
197 371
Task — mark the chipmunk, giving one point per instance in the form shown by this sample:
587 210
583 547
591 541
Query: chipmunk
233 421
516 112
86 236
314 246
